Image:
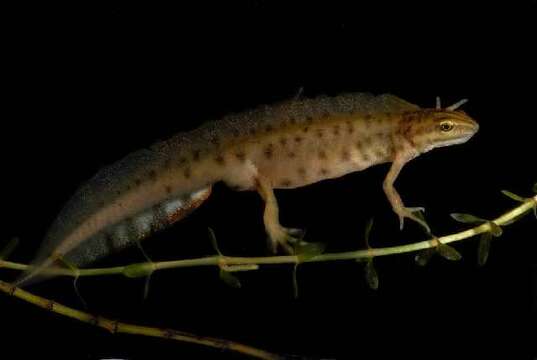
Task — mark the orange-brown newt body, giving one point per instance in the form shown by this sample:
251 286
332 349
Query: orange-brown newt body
286 145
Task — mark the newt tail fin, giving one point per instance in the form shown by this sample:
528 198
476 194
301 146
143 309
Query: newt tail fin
123 234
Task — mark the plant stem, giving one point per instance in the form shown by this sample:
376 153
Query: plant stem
226 261
126 328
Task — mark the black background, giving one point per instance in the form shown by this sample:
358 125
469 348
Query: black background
85 85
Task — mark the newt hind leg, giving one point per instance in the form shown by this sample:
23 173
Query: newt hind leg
279 236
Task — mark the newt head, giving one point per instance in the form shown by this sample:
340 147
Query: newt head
431 128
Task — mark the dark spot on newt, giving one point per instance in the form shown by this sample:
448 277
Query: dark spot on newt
381 135
368 120
322 154
298 139
215 140
336 130
345 155
286 182
219 160
240 156
283 141
196 155
187 172
350 127
268 151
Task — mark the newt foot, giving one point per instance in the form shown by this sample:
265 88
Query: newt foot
409 212
286 238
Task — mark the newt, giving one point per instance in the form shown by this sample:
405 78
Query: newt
285 145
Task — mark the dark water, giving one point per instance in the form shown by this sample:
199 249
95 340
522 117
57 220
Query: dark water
83 86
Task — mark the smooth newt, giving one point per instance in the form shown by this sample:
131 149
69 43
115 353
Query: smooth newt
286 145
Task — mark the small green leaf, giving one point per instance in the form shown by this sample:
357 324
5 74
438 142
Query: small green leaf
467 218
295 282
367 233
146 286
138 270
448 252
422 258
495 229
483 248
371 275
212 236
306 251
535 188
230 279
9 248
513 196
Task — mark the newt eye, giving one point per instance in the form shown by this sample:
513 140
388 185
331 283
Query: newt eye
446 126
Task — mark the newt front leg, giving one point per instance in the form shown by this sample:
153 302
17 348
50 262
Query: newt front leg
278 235
403 212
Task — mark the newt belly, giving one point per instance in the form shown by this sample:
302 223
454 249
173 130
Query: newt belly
286 145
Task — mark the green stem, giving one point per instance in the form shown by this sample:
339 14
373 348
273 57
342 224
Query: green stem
120 327
222 261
